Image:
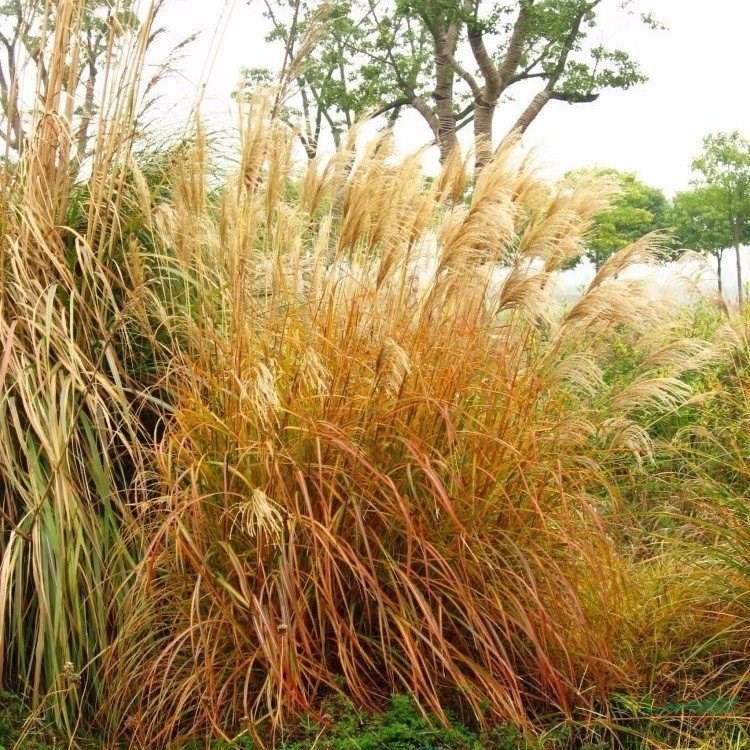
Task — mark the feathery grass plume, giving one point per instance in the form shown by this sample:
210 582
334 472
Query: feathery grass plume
453 180
644 250
556 228
296 60
372 486
660 392
315 185
391 368
681 355
259 513
487 226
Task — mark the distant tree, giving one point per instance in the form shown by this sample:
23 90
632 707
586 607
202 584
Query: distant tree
636 210
104 21
509 43
452 61
324 90
26 26
725 166
698 219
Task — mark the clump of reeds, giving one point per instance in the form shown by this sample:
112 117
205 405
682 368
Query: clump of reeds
69 440
388 465
322 429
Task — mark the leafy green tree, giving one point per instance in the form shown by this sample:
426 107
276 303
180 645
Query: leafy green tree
329 48
637 210
725 166
25 27
698 219
105 21
510 43
455 61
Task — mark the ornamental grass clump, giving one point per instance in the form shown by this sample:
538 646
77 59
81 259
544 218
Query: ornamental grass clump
289 433
388 462
69 437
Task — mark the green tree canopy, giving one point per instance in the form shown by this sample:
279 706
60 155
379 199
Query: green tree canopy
698 219
452 61
636 210
724 165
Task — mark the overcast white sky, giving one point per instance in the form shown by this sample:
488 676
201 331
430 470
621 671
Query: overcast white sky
698 83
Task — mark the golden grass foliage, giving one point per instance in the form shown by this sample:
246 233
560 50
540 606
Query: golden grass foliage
69 444
324 430
388 460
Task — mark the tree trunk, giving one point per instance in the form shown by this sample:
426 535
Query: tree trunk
446 122
87 114
445 49
484 114
487 97
719 255
14 137
740 291
530 113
